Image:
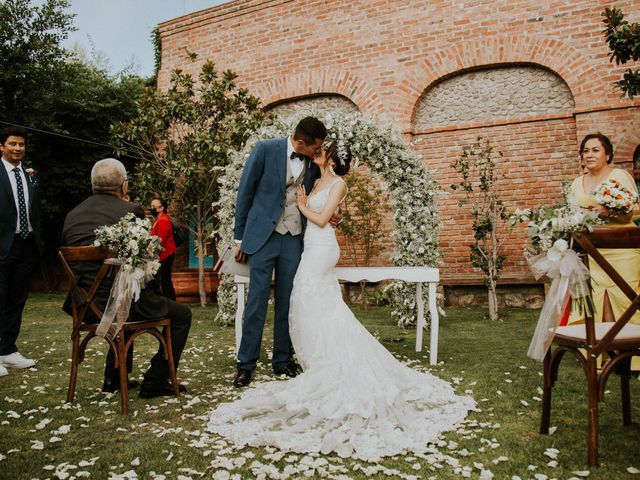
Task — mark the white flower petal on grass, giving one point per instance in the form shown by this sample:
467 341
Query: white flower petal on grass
552 452
135 462
553 464
37 445
581 473
55 439
43 423
552 430
486 475
540 476
524 403
633 470
498 460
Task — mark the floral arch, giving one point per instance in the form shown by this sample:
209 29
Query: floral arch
388 158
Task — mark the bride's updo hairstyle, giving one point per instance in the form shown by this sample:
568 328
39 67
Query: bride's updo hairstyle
339 152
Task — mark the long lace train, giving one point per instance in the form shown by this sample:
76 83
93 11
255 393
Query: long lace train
354 397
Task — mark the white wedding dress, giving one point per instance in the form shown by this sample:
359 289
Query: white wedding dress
354 397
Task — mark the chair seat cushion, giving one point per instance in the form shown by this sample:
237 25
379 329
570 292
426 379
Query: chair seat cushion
628 332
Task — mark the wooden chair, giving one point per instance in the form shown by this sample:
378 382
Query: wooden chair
82 302
619 340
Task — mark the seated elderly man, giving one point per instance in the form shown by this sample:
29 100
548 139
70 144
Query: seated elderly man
107 207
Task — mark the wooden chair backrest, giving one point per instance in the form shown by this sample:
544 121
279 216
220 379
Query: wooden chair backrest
609 237
69 255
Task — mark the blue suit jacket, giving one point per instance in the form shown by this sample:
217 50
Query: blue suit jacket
261 193
9 214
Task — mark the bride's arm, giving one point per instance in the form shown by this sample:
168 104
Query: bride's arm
336 194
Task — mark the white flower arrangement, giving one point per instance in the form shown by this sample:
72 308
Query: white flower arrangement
136 251
546 225
389 158
615 197
131 242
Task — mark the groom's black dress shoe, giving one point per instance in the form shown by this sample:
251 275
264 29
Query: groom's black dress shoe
243 378
291 369
159 389
111 385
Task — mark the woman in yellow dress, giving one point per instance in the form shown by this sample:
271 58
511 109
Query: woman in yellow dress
596 154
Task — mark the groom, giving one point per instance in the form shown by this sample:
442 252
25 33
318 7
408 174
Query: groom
268 231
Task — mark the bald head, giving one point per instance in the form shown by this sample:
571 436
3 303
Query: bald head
107 176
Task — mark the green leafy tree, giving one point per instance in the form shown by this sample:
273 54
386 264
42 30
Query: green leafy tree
364 211
31 50
624 44
183 138
477 169
45 88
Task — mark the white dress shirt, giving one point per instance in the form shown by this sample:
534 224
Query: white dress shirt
295 164
14 186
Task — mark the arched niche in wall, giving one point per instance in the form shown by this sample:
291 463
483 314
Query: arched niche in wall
494 94
323 102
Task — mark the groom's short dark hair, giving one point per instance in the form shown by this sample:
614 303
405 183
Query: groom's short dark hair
309 129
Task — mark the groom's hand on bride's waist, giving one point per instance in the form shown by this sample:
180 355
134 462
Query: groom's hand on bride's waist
336 219
240 256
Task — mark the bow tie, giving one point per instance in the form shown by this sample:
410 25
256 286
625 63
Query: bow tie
295 154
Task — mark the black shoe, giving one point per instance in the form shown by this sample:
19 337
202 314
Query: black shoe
110 385
243 378
159 389
291 369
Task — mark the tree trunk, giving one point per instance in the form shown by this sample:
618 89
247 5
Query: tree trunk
493 273
493 299
200 247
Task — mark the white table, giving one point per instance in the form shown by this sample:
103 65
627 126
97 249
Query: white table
417 275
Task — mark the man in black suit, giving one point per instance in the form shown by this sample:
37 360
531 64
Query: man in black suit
106 207
20 242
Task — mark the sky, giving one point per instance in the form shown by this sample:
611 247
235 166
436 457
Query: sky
119 30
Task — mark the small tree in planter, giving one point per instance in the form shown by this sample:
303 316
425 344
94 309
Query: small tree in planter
364 211
479 180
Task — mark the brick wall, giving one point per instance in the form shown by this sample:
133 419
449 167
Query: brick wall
384 56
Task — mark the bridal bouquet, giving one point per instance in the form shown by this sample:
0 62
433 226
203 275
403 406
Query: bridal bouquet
136 252
549 254
614 196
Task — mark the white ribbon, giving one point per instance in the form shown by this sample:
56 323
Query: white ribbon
569 277
126 289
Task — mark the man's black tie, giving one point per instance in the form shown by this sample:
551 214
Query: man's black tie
295 154
22 206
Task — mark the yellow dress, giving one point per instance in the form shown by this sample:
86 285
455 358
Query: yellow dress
625 261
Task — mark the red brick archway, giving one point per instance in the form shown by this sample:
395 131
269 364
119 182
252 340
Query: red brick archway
319 82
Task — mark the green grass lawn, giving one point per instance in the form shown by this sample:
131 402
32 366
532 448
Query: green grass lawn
41 436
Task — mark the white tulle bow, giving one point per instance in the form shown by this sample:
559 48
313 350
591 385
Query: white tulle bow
569 280
126 289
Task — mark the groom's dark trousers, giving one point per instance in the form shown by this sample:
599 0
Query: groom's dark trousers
280 254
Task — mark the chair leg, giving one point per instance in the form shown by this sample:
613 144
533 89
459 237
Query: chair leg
122 370
75 345
625 393
546 394
592 391
172 368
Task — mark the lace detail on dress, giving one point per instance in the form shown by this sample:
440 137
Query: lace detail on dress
354 397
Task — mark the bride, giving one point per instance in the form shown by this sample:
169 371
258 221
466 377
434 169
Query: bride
354 397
